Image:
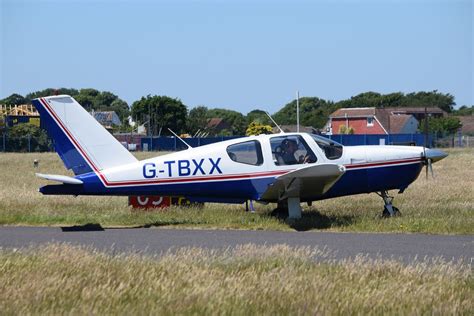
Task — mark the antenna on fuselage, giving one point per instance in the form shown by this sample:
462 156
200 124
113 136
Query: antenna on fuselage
278 126
175 135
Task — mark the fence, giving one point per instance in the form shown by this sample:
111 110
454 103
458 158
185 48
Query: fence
383 139
32 144
174 144
454 141
25 144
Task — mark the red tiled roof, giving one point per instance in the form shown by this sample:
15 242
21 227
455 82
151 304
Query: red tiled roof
353 112
397 122
467 123
213 122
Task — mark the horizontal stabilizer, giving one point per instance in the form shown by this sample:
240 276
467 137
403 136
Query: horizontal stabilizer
59 178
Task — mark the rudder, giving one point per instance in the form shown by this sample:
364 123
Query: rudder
82 143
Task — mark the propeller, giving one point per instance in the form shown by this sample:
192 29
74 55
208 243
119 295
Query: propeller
430 156
428 161
429 165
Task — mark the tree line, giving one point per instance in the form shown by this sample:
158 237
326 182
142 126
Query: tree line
161 112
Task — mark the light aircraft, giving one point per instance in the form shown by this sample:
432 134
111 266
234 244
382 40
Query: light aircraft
285 168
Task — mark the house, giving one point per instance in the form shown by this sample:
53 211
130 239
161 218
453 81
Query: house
467 122
379 121
108 119
217 125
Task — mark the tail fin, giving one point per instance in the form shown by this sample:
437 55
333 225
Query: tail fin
82 143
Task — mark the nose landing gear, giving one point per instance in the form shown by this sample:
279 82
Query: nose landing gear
389 210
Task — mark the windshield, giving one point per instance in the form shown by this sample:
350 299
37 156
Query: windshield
331 149
291 150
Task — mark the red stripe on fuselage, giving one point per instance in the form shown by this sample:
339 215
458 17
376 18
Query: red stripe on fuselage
207 178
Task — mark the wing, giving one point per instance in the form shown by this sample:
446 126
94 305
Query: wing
305 182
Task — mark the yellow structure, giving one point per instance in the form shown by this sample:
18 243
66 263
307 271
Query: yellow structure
19 110
16 112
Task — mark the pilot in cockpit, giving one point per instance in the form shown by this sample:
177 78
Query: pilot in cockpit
289 147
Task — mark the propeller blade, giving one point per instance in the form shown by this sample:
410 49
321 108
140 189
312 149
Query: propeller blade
430 166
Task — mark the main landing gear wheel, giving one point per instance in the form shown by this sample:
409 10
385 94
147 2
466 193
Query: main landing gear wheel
289 208
281 213
389 210
386 213
281 210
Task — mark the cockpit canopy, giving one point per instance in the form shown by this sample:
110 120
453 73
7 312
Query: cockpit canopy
331 149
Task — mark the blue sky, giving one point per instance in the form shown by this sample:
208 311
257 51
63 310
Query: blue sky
238 55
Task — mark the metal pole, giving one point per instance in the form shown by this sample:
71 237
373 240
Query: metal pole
425 129
297 111
29 143
149 120
460 138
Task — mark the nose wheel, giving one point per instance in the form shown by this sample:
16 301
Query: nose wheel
388 210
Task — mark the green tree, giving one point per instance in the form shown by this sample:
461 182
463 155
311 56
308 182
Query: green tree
429 99
160 113
14 99
464 110
197 119
19 135
235 119
258 116
372 99
441 125
398 99
121 108
87 98
256 128
343 129
92 99
51 91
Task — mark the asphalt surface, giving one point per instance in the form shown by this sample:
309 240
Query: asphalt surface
403 247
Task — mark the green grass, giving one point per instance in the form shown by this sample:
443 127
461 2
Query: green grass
277 280
441 205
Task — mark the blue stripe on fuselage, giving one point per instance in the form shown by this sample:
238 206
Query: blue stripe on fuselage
352 182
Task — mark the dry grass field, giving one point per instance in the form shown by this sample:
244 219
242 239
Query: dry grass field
441 205
249 280
66 279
